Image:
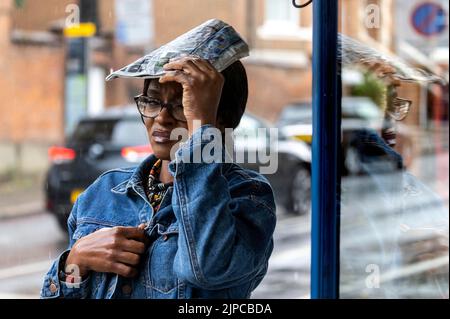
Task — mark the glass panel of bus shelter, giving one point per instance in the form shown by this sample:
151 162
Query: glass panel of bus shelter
395 150
44 32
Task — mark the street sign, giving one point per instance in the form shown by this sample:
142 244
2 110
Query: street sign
75 92
429 19
134 22
81 30
422 25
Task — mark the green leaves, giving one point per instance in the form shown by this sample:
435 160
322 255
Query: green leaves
19 3
371 87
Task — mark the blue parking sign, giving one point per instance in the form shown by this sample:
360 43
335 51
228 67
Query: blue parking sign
429 19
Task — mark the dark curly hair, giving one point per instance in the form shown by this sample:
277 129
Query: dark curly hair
234 95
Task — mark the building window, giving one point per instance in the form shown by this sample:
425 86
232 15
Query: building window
282 22
281 12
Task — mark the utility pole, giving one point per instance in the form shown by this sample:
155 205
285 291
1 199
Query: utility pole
78 37
89 12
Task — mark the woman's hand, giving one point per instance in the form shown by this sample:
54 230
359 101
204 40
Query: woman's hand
115 250
202 88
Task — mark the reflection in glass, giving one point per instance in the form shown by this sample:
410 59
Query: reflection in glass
394 202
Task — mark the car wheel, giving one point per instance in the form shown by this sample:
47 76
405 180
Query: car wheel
301 192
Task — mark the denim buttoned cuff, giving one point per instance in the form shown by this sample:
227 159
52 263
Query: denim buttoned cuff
54 287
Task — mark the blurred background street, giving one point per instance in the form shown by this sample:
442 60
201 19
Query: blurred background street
62 125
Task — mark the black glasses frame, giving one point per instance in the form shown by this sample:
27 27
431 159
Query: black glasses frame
169 107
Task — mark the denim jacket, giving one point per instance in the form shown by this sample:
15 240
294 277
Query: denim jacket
211 238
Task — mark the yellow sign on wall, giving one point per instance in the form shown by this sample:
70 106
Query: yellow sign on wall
81 30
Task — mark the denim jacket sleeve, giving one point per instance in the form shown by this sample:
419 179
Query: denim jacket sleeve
53 287
226 224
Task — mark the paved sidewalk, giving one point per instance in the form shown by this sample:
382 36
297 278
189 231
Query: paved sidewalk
21 197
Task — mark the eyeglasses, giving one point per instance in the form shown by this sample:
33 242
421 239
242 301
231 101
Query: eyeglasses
150 108
399 109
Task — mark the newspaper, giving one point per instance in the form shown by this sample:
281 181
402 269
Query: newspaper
214 40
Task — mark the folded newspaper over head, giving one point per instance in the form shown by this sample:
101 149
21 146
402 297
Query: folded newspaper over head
213 40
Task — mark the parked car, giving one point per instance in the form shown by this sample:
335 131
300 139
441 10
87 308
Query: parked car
292 180
118 138
114 139
358 113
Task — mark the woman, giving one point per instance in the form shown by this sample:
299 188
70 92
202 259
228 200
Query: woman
170 228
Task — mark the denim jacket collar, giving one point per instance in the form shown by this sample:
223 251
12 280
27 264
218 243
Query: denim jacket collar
136 177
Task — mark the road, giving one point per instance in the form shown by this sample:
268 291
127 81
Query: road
29 244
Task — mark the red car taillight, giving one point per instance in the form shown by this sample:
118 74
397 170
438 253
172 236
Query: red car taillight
58 154
136 153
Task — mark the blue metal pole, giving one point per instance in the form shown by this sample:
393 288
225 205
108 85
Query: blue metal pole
325 152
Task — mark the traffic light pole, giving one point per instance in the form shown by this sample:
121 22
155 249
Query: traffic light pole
77 64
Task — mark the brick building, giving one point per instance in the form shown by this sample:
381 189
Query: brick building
31 90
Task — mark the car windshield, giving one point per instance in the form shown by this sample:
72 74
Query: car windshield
117 132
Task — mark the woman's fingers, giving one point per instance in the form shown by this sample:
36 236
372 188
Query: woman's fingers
133 246
120 262
193 64
130 233
205 64
131 239
187 65
127 258
123 270
202 86
176 76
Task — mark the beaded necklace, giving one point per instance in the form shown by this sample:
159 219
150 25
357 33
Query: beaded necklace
155 189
